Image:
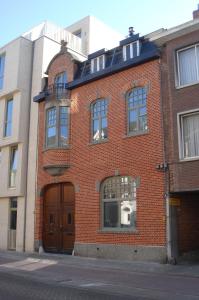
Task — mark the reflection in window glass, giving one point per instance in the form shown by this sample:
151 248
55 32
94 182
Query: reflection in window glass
51 127
99 120
8 118
13 167
137 111
119 202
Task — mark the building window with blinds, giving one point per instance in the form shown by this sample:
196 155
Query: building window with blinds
188 65
189 134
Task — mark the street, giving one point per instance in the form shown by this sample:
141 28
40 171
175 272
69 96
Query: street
63 277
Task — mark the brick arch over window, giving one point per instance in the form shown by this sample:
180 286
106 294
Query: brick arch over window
118 203
99 123
136 108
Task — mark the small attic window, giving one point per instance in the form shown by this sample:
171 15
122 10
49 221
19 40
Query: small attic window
97 63
131 50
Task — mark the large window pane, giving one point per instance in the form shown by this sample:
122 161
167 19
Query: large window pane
191 135
187 66
8 118
63 120
119 202
110 214
137 110
51 127
99 120
128 213
13 166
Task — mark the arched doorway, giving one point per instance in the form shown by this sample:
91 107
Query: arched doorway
59 211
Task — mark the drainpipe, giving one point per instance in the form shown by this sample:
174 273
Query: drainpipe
170 258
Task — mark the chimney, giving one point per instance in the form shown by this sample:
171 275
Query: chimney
131 31
196 13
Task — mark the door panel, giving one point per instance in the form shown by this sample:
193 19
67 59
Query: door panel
59 226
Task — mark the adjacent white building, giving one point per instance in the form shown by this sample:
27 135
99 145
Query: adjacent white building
23 63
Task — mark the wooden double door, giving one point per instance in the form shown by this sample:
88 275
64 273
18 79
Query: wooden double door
59 222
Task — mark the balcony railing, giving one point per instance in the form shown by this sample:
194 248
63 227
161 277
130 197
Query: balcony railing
58 92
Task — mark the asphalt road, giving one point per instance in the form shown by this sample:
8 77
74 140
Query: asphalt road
52 278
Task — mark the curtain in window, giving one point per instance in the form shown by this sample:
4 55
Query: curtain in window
187 66
191 135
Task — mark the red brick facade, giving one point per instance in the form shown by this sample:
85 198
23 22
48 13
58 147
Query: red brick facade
90 164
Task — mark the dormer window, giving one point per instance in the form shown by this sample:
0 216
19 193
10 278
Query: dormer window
131 50
97 63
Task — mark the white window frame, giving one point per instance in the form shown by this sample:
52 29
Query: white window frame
178 85
180 134
132 55
98 63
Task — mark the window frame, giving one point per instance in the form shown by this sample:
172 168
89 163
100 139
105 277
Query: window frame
178 85
100 140
181 150
98 63
6 121
137 132
118 200
13 150
131 50
57 127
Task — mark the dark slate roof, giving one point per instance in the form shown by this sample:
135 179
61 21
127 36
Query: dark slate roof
114 62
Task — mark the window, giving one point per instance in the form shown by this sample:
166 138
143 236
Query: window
13 213
13 224
13 167
60 81
97 63
119 202
99 120
8 118
78 33
189 132
137 110
0 156
2 65
188 65
131 50
57 124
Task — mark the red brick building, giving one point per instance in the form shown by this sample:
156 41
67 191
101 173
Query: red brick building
180 90
100 155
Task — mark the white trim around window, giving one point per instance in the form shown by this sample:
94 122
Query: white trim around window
187 66
131 50
97 63
188 135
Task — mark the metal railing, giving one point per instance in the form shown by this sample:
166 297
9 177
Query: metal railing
58 92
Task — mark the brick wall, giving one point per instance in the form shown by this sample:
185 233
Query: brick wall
92 163
183 175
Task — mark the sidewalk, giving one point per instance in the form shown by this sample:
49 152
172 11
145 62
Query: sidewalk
185 269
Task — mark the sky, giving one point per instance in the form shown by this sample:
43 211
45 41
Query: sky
18 16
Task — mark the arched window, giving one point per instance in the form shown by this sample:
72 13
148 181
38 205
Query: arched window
137 110
99 120
118 196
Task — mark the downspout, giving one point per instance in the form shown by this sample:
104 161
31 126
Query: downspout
166 174
27 155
